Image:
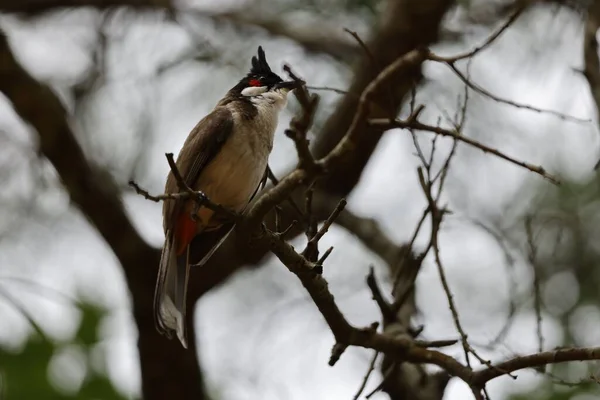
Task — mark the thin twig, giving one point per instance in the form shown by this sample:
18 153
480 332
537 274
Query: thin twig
512 103
375 65
386 310
321 260
271 176
282 235
361 44
492 38
401 298
197 196
407 124
312 248
313 242
331 89
367 375
386 376
537 301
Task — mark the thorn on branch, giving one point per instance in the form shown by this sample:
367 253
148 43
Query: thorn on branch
324 256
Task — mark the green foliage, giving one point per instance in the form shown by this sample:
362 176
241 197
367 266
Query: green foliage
550 391
25 375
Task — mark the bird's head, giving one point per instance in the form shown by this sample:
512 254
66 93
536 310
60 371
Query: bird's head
263 85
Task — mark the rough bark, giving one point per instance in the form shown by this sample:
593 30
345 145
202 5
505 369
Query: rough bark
402 381
406 25
167 370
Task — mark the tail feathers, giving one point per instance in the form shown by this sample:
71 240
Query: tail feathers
171 292
173 274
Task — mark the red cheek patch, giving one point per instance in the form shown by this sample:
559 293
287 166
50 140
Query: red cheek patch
255 82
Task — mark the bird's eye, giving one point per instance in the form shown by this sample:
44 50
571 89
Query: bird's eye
255 82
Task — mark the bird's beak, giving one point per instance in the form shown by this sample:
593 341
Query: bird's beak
288 85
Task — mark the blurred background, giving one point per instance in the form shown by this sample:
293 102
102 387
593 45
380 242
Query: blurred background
135 80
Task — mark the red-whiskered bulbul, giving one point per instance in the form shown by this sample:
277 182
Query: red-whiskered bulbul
225 156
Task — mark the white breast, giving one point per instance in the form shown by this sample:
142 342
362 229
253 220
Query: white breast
233 175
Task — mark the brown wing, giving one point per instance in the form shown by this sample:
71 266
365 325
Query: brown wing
200 147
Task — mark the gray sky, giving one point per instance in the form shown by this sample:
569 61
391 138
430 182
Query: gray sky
259 334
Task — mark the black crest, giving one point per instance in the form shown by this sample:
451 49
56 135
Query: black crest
260 75
260 66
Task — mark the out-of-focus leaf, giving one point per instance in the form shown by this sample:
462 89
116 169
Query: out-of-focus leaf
98 387
88 329
25 374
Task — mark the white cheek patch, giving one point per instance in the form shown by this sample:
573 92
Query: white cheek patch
254 91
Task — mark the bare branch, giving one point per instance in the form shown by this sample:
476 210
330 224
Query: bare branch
367 375
315 37
537 295
343 150
94 192
535 360
386 310
187 193
488 42
397 34
416 125
499 99
409 60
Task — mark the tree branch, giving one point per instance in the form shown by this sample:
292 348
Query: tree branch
413 124
33 7
535 360
405 25
317 37
167 370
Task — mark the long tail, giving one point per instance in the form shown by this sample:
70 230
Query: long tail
171 291
171 286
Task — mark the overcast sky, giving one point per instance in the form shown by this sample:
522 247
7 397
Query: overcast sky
260 335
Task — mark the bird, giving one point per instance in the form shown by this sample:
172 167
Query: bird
225 157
